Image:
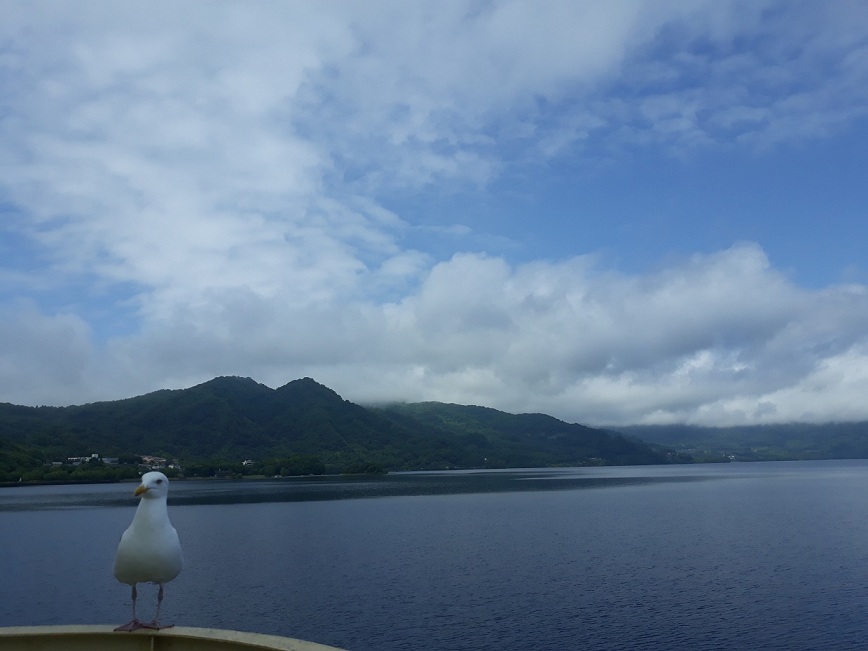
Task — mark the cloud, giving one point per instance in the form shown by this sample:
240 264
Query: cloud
719 338
43 359
198 201
610 347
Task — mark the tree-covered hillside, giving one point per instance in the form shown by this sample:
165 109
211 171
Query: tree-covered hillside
491 438
790 441
300 427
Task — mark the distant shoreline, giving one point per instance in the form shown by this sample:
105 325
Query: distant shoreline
62 482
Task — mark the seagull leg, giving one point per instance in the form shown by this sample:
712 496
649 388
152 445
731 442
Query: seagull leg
155 624
134 623
159 603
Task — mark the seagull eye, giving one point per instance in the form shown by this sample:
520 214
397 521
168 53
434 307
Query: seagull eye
159 481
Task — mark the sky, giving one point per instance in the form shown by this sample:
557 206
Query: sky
615 213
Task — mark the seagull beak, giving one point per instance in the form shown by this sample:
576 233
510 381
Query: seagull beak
141 489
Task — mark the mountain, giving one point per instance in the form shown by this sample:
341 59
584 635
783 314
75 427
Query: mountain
788 441
488 437
229 419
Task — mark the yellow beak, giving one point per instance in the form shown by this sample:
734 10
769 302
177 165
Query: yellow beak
141 489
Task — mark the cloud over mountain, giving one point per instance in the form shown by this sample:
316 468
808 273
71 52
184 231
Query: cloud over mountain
465 202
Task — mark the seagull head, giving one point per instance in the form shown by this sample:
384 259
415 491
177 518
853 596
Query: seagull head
154 484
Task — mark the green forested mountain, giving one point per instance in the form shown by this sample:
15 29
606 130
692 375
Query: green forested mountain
788 441
218 424
498 439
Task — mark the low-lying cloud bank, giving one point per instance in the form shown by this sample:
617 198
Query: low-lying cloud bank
716 339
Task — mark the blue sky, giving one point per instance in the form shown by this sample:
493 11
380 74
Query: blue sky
623 212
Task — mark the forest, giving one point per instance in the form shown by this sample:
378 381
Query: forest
236 427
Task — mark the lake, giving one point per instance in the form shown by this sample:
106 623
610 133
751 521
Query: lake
730 556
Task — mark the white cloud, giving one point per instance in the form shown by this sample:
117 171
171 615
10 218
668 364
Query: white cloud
719 338
229 190
43 359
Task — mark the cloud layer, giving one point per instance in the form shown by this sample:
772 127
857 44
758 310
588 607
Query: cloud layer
204 189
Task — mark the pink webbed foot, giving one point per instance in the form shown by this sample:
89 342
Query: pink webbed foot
134 625
155 625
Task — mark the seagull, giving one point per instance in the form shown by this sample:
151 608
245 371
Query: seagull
149 551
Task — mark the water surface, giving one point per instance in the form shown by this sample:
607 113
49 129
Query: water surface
766 555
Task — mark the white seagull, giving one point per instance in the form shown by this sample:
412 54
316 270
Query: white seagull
149 551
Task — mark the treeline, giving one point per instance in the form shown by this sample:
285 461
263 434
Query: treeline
98 471
296 465
779 442
69 473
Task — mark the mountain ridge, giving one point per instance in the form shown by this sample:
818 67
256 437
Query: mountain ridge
767 442
229 419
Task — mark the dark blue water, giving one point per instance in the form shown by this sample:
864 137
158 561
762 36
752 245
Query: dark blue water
740 556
